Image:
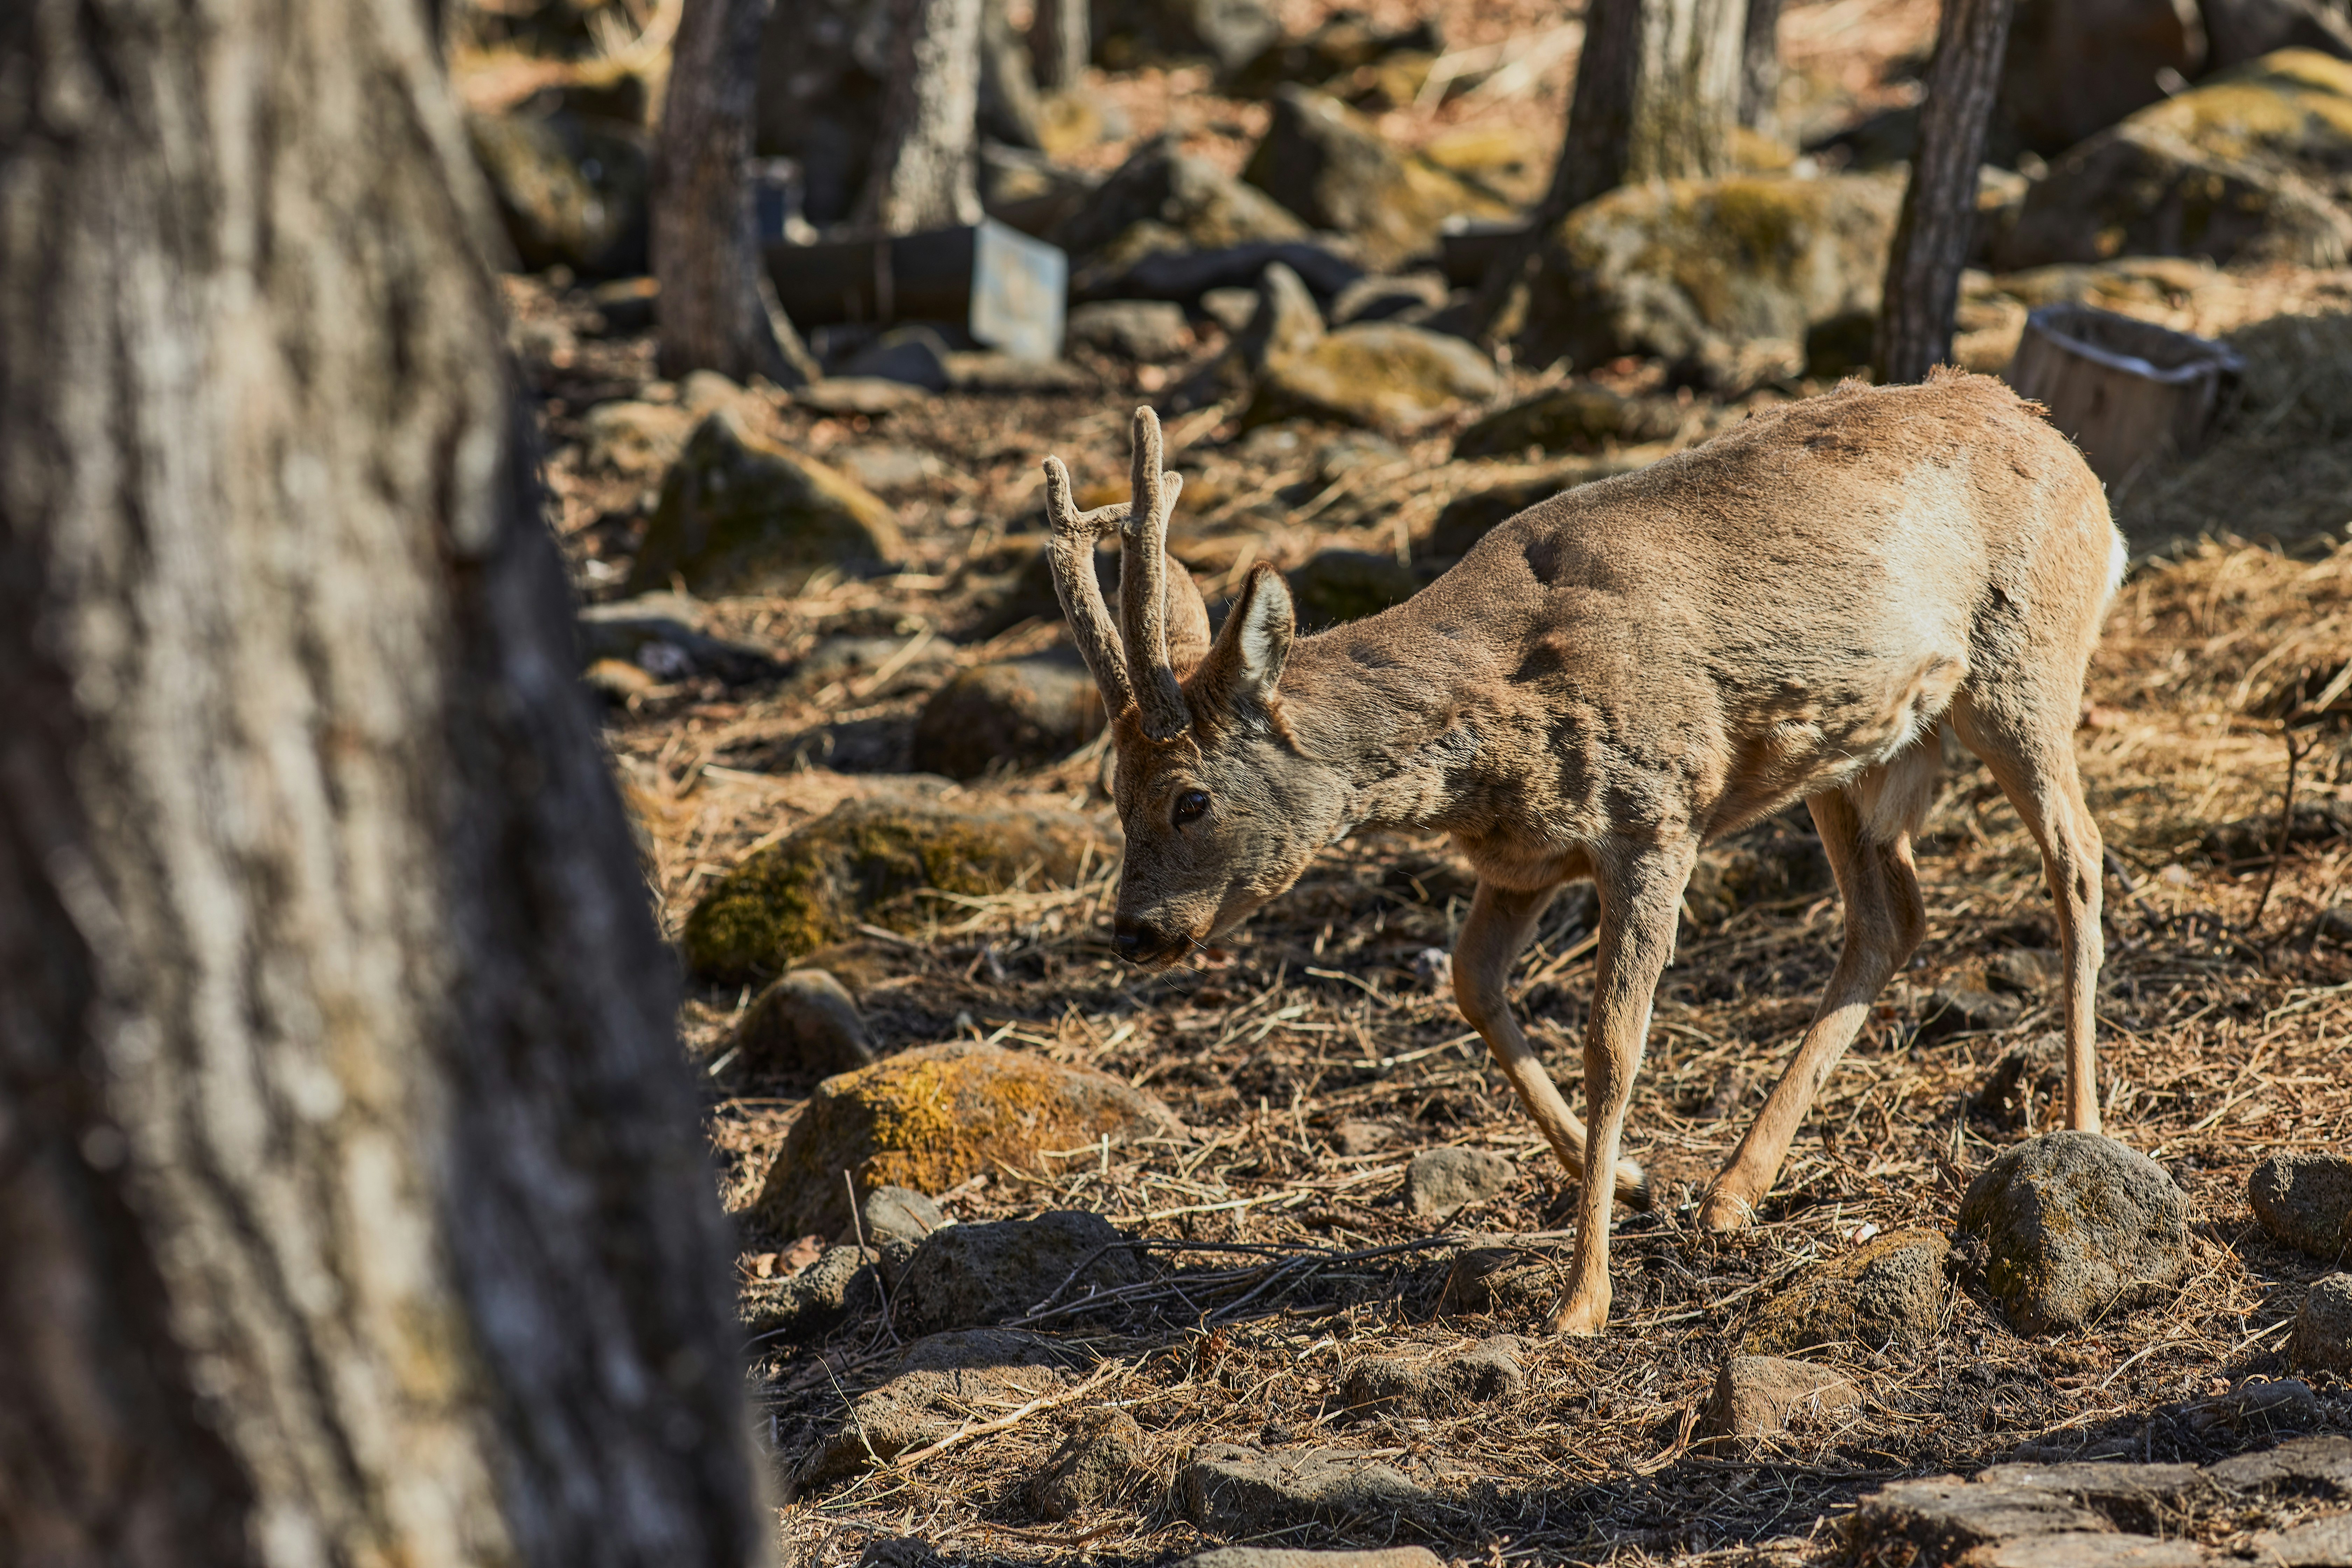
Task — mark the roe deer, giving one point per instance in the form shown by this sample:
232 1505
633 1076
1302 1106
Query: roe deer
1611 679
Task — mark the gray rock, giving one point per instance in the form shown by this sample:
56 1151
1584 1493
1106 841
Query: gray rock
899 1215
2070 1227
898 1552
1381 375
2252 1411
941 1382
1016 714
1330 165
2304 1200
2027 1079
1151 331
1292 1557
570 188
1129 32
739 514
1333 586
1197 205
887 465
1231 307
869 395
1944 1518
974 1274
2322 1338
914 355
1230 1489
1380 298
1952 1011
1362 1137
989 370
807 1022
1757 1395
2317 1466
1506 1277
1577 417
1283 320
2146 1498
2316 1543
1444 1385
1441 1183
1889 1290
1099 1457
815 1301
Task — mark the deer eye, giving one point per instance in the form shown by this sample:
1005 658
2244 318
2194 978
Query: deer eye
1190 804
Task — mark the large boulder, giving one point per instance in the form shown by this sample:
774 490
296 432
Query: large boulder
2254 165
739 514
940 1383
2303 1198
2075 67
1018 714
936 1116
879 861
1889 1290
2067 1228
1722 277
1329 165
967 1275
570 188
1177 202
1381 375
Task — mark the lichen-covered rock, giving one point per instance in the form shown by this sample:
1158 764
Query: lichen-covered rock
942 1381
1722 277
806 1022
1444 1385
1383 376
1757 1395
1014 714
570 188
877 862
1577 417
1334 586
2322 1340
1888 1290
739 514
1099 1456
936 1116
1331 167
2303 1198
2253 164
967 1276
2069 1228
895 1215
1229 1490
1441 1183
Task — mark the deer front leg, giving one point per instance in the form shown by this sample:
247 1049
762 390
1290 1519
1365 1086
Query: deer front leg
1641 897
1501 922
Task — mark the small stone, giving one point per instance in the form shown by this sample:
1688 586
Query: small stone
914 355
1102 1453
1362 1137
871 396
1511 1279
971 1275
1757 1395
812 1302
941 1382
1888 1292
1956 1010
1149 331
2304 1200
2027 971
899 1214
887 466
1016 714
1441 1183
2069 1228
2254 1411
1283 320
1334 586
898 1552
1230 308
807 1022
1445 1385
2322 1340
2024 1082
1229 1490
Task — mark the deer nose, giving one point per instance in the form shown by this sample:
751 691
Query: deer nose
1136 941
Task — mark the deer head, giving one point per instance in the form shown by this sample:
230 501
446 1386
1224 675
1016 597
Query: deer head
1221 808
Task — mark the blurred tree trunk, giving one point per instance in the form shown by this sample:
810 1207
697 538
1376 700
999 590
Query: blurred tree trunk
1657 93
352 1201
1760 69
1939 206
1058 45
718 309
923 175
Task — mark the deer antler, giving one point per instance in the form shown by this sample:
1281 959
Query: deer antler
1143 586
1071 552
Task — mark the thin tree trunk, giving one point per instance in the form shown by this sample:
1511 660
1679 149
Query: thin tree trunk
923 175
719 311
1939 206
1058 45
350 1195
1760 69
1657 93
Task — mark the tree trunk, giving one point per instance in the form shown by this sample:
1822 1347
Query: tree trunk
352 1203
923 177
1939 206
1760 69
1657 93
1058 45
718 308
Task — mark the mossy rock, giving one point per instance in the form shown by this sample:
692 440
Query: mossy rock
934 1117
2253 165
1723 278
1381 375
1889 1290
1579 417
896 861
2066 1229
742 515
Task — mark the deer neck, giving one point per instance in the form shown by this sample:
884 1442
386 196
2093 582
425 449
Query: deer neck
1398 744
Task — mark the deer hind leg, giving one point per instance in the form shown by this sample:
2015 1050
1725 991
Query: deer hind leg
2027 740
1641 900
1501 922
1884 918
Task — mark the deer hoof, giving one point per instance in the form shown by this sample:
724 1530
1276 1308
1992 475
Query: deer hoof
1580 1318
1723 1211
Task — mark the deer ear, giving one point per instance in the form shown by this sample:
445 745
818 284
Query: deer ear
1247 661
1188 621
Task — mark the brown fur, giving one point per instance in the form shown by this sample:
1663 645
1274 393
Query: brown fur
1636 668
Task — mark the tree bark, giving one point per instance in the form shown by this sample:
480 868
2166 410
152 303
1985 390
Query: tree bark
1760 69
354 1206
923 175
1657 93
1939 206
718 309
1059 46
